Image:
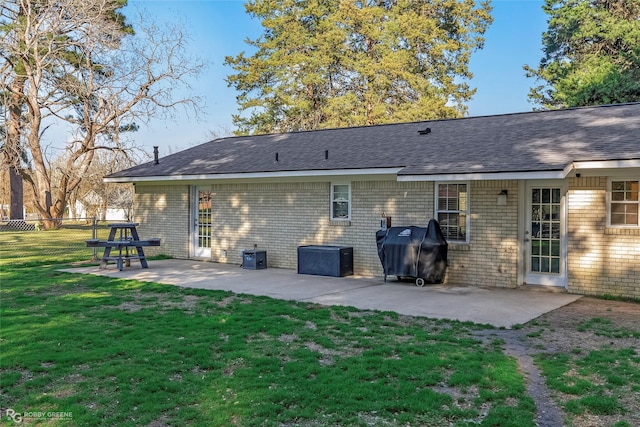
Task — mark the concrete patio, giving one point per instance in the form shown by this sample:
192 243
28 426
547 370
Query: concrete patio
495 306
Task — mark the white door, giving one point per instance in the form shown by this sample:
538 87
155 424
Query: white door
201 223
545 233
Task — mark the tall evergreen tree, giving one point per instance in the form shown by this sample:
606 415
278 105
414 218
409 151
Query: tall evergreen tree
591 54
331 63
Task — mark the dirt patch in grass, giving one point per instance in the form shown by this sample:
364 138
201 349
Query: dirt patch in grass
582 362
130 307
588 324
602 339
161 301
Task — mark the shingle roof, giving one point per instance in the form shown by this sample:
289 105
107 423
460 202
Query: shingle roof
519 142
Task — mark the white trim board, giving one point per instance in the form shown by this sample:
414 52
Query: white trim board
261 175
612 166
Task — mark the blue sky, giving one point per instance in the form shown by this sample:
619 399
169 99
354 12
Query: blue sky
219 28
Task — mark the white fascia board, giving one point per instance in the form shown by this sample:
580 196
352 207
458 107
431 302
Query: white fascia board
259 175
494 176
602 167
605 164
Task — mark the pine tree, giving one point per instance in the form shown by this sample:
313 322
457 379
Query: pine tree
332 63
591 54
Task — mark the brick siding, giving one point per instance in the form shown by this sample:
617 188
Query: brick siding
163 211
491 257
279 217
601 260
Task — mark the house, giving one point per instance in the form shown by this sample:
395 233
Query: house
546 199
92 205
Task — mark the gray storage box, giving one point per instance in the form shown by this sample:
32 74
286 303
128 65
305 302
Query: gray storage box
254 259
334 261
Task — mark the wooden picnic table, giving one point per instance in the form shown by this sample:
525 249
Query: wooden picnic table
122 236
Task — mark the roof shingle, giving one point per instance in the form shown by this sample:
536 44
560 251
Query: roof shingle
519 142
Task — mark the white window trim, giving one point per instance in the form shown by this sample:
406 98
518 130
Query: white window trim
468 210
609 201
332 218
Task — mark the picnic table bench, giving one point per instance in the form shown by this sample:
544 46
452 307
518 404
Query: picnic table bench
123 236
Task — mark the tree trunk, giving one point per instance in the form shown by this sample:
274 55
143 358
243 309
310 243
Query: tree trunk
13 149
38 177
73 198
103 208
16 195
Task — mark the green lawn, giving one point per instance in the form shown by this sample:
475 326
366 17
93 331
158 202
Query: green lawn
94 351
87 350
25 248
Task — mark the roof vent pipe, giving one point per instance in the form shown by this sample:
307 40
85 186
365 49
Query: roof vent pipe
326 154
155 155
425 132
276 156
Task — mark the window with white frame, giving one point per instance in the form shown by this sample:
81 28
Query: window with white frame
624 202
452 210
340 201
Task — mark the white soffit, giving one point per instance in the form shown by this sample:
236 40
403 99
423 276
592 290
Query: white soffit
603 164
484 176
260 175
611 165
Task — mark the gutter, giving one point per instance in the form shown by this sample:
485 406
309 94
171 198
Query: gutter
480 176
577 166
257 175
571 169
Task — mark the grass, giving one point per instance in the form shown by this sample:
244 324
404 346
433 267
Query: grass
605 328
596 382
118 352
32 248
121 352
68 244
536 334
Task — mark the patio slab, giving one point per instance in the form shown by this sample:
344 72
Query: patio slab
487 305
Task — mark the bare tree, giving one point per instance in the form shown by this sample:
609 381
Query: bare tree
221 131
79 69
97 196
38 38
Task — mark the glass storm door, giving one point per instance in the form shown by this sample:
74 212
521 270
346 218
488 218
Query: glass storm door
545 234
201 225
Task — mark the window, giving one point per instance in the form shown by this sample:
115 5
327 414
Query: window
452 210
340 201
624 203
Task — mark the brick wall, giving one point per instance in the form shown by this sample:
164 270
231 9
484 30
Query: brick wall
491 257
163 211
280 217
601 260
